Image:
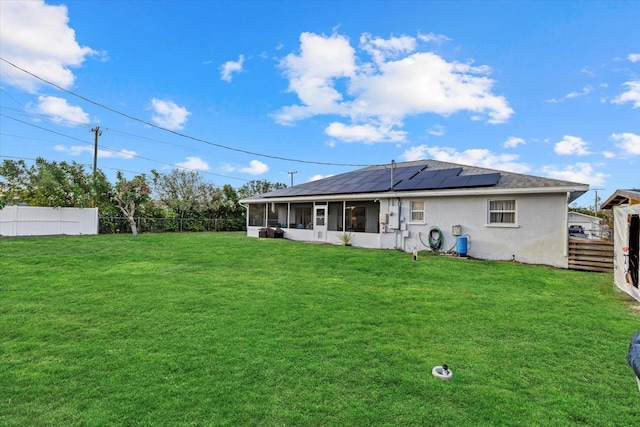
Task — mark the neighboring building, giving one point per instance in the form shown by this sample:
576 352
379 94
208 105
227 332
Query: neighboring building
622 197
407 206
626 240
591 225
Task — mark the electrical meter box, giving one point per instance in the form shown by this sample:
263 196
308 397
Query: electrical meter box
456 230
394 217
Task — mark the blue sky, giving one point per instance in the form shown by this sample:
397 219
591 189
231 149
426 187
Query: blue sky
243 90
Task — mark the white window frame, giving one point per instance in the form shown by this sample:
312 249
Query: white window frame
412 210
514 211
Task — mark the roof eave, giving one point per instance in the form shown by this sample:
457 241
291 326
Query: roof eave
573 191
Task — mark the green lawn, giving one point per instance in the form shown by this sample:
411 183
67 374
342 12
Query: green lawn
220 329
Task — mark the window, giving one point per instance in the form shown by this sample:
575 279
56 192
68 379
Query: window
362 217
335 215
417 211
256 215
502 211
277 214
301 216
320 212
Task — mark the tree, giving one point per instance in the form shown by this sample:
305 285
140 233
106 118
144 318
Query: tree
129 195
52 184
185 193
14 183
259 187
229 208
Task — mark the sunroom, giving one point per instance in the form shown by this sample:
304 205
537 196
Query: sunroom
317 220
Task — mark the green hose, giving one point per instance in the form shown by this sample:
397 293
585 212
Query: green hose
435 243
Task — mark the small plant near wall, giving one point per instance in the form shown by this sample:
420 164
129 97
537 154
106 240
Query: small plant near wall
345 238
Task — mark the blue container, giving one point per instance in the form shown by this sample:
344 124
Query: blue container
461 245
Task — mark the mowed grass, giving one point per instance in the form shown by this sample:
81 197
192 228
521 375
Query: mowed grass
220 329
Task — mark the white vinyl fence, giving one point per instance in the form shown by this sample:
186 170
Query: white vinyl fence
42 221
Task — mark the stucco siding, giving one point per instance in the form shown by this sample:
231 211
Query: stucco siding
538 237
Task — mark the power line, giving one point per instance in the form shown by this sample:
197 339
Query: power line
83 124
175 132
123 152
45 129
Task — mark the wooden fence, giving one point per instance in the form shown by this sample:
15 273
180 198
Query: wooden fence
591 255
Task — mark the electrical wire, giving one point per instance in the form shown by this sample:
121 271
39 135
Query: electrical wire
182 135
128 154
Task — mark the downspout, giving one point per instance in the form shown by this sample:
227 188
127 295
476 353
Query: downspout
566 230
399 229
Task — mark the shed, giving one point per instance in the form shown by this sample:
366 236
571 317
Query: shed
626 240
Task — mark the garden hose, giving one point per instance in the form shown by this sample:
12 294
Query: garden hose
435 243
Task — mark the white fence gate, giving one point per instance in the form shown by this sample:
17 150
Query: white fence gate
43 221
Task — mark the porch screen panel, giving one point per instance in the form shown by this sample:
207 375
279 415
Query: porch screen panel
257 214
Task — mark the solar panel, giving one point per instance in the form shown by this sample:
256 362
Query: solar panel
448 172
454 182
484 180
406 178
427 184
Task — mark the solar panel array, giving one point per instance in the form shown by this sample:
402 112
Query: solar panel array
405 178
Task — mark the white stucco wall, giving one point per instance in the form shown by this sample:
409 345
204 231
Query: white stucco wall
538 237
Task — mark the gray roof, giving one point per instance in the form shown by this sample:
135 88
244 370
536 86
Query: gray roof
421 176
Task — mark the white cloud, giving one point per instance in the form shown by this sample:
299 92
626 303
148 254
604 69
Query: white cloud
585 91
628 142
513 141
255 167
311 76
400 82
580 173
436 130
330 143
382 49
608 154
571 145
194 164
228 68
317 177
632 95
474 157
169 115
587 71
76 150
60 112
435 38
368 133
36 36
634 57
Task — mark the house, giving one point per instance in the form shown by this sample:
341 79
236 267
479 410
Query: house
427 205
626 240
591 225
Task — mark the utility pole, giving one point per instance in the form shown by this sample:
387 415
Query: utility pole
596 200
97 132
292 173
